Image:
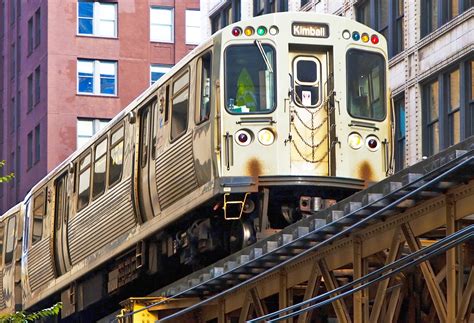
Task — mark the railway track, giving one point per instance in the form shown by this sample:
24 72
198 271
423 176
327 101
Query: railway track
422 183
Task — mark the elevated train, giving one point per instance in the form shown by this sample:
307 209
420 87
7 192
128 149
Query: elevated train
267 120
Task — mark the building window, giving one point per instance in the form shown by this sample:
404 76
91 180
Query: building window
227 14
258 7
37 85
193 27
30 92
448 108
12 115
12 12
37 27
400 133
30 36
161 24
97 19
37 144
436 13
13 61
96 77
157 71
86 128
385 16
30 150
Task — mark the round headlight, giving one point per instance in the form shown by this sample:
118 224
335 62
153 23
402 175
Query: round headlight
266 137
273 30
355 140
243 137
346 34
372 143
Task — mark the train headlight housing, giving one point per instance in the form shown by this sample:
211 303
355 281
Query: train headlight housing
243 137
236 31
266 137
374 39
355 140
346 34
273 30
372 143
249 31
261 31
355 35
365 37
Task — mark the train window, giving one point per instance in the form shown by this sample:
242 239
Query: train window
144 137
84 182
116 156
38 217
306 78
205 93
366 85
167 103
100 169
2 237
250 79
10 242
179 112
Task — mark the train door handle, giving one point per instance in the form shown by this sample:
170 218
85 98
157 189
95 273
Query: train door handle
228 148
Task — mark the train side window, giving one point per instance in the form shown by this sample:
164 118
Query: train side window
116 156
10 242
167 103
179 112
205 93
100 169
38 217
2 237
144 137
84 182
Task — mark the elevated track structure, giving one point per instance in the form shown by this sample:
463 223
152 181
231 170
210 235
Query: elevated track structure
400 250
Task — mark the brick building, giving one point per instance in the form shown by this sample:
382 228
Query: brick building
68 66
431 51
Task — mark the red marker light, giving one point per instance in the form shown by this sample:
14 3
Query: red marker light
236 31
374 39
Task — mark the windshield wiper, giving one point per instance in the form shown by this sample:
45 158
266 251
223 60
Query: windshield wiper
264 55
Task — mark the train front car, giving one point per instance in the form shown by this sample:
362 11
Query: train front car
303 112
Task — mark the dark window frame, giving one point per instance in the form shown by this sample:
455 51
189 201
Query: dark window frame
176 93
35 237
199 107
112 146
400 135
86 154
444 14
221 19
9 254
395 40
466 108
104 156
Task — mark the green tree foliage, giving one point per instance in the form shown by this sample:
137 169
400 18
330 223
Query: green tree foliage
6 178
22 317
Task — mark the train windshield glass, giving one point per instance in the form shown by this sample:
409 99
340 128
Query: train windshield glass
366 85
250 79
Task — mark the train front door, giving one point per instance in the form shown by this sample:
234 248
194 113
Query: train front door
309 115
61 210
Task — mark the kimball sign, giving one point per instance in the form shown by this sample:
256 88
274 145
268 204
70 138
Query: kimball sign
310 30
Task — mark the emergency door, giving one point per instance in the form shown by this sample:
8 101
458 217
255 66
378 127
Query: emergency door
309 115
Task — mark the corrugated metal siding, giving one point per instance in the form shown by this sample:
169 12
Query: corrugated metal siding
40 264
111 216
175 173
2 297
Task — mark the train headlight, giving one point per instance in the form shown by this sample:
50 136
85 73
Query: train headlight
248 31
346 34
355 140
243 137
273 30
372 143
365 37
266 137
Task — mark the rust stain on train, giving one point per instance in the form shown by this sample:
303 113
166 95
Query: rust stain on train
365 171
254 167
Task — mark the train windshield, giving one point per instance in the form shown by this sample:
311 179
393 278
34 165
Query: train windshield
366 85
250 78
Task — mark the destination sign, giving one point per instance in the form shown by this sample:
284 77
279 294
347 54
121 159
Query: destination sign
303 29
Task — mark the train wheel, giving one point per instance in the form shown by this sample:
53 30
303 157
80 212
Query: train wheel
242 234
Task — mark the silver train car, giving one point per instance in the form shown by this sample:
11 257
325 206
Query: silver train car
268 120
